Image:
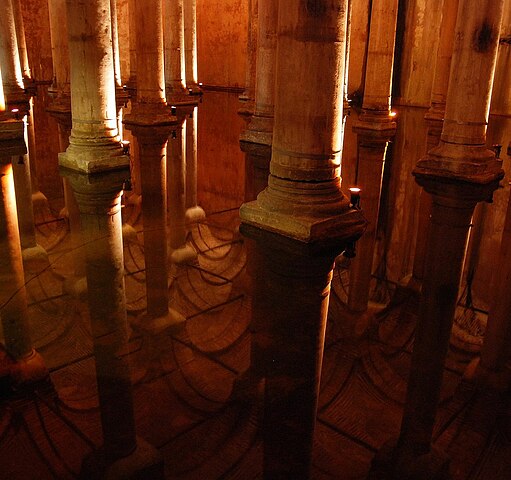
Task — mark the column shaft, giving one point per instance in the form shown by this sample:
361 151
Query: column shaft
13 296
247 98
256 140
190 33
374 129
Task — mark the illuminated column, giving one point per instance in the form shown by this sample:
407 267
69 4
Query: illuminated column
247 98
34 256
179 250
38 198
132 18
174 35
28 365
434 118
151 123
256 140
96 168
458 173
300 223
190 34
194 213
60 110
375 128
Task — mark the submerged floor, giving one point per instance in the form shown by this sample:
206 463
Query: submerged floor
197 397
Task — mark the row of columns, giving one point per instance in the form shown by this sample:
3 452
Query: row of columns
95 167
457 173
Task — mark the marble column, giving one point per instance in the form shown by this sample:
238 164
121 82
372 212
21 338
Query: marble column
434 118
38 198
190 37
27 365
60 110
132 18
300 223
247 98
375 128
180 251
96 168
256 140
174 36
458 173
151 122
34 256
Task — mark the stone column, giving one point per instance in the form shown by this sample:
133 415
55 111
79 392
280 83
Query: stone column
151 123
96 167
300 223
247 98
190 34
256 140
194 213
132 82
174 35
375 128
434 118
179 250
38 198
458 173
60 110
27 364
34 256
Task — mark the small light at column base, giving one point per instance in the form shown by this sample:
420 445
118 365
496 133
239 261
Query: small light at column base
355 197
125 144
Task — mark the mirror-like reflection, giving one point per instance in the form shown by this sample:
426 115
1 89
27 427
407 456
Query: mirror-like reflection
230 393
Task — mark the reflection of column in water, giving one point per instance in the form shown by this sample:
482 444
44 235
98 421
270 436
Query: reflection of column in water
300 223
459 173
34 256
151 122
290 304
434 118
194 213
180 251
29 366
375 128
96 168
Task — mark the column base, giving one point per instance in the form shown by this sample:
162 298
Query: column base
157 325
195 214
431 466
30 369
35 258
497 380
144 463
182 255
129 234
76 287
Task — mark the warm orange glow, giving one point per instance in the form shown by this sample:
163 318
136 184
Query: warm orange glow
2 98
392 114
355 190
